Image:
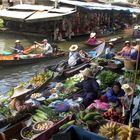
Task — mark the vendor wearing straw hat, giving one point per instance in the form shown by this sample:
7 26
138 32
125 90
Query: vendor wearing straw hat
127 99
18 99
110 51
74 56
92 39
18 47
90 88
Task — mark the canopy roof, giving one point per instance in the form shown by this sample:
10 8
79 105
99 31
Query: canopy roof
34 13
99 6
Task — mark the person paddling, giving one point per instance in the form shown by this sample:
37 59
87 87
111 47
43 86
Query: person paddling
45 46
18 47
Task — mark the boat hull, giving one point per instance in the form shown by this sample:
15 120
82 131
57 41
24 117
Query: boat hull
29 60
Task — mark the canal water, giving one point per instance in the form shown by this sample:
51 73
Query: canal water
12 76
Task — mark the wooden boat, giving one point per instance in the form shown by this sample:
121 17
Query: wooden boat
14 60
13 132
95 45
115 40
27 50
68 72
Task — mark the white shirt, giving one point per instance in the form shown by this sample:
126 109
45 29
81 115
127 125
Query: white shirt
48 48
109 51
73 57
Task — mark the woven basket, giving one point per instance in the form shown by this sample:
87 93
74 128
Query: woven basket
129 65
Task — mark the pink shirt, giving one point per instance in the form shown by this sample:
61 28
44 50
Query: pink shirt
92 41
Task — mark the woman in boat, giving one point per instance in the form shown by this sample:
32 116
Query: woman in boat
125 52
114 93
74 57
18 47
110 51
90 88
18 100
92 39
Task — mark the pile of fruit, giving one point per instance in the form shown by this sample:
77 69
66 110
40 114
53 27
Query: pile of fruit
36 95
28 134
114 116
40 79
43 125
109 130
113 131
90 117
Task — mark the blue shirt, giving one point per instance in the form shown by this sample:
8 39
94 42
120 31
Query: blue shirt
113 97
133 54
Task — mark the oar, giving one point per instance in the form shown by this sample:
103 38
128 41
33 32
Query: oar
17 49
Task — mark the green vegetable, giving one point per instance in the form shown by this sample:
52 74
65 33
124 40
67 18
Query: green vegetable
107 78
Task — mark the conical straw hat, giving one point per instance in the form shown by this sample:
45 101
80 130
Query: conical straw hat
19 90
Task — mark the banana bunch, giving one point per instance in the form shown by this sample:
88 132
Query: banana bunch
109 130
127 133
89 117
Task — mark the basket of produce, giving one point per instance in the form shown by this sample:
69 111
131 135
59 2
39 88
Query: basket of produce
37 96
27 133
102 61
41 126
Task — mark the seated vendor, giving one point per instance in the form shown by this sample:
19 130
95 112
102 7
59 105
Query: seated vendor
92 39
125 52
114 92
18 100
110 51
90 88
134 57
74 57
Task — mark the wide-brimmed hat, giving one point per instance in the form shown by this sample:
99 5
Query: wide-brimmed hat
44 40
19 90
137 47
127 42
127 89
73 48
111 44
17 41
87 72
92 34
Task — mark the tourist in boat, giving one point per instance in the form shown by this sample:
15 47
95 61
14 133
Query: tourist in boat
18 47
114 92
90 88
18 100
125 52
110 51
74 57
92 39
47 48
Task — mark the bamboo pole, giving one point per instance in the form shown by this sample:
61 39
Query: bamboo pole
135 78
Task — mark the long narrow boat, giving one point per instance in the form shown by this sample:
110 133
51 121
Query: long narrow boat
14 60
72 71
